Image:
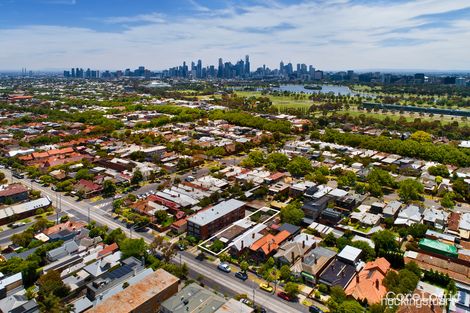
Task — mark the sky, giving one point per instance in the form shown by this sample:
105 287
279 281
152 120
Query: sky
329 34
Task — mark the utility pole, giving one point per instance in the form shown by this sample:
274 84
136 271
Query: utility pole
253 287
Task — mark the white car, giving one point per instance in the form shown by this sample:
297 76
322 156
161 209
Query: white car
224 267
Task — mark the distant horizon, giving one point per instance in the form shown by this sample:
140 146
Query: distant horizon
333 35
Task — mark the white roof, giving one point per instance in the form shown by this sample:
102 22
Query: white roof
223 208
350 253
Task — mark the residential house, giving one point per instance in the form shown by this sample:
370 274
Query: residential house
410 215
368 283
266 246
315 262
13 193
88 188
435 217
391 209
343 268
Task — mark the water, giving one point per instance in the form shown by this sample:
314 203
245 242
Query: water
338 90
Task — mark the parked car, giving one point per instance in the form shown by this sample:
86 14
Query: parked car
17 224
315 309
241 275
245 301
260 309
224 267
266 287
285 296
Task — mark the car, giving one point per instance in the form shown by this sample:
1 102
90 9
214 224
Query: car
18 224
260 309
266 287
181 247
315 309
245 301
241 275
224 267
285 296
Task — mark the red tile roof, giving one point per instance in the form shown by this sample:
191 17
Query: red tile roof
12 190
270 243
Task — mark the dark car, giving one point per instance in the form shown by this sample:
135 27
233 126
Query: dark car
314 309
285 296
201 257
241 275
260 309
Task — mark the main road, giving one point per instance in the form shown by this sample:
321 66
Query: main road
85 211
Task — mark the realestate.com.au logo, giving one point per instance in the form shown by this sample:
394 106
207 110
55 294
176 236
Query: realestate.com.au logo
416 300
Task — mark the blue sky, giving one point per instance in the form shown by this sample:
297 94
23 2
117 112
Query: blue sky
330 34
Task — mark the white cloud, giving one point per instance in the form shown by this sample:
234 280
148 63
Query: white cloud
336 34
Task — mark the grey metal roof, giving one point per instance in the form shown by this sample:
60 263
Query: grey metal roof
207 216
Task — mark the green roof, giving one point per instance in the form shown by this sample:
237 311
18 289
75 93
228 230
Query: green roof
439 247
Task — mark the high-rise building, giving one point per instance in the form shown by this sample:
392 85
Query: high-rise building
247 65
220 71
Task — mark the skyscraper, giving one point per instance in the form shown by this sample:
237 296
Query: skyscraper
247 65
220 71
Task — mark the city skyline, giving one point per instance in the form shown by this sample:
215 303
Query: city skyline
333 35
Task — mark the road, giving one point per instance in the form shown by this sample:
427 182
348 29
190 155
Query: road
84 210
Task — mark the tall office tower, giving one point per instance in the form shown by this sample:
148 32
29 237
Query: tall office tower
220 70
281 67
298 68
73 73
199 69
290 69
247 65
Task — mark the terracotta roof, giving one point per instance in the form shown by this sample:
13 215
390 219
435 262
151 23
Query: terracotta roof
368 283
276 176
70 225
88 185
159 284
453 221
108 250
13 190
270 243
458 272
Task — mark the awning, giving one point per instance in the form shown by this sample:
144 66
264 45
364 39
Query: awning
308 276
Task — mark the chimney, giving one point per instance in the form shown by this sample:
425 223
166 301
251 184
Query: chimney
253 236
292 255
243 244
342 273
357 279
315 260
377 284
303 244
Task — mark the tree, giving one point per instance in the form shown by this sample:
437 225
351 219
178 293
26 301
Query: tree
137 177
421 136
368 253
350 306
338 294
109 188
257 156
410 189
292 213
83 174
132 247
51 283
244 266
299 166
285 272
22 239
347 178
375 189
384 240
277 161
116 235
50 303
161 216
439 170
217 245
292 289
330 240
447 200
